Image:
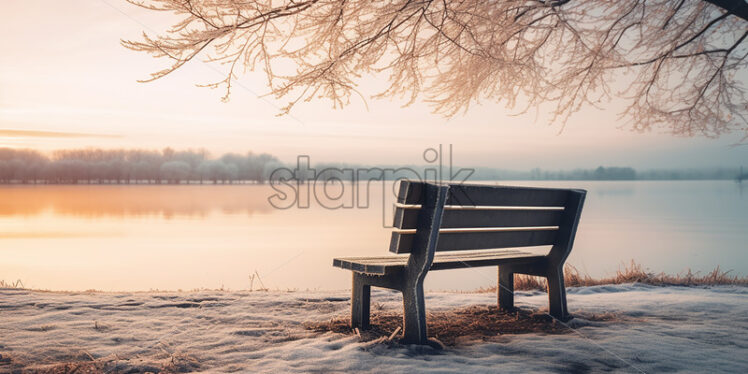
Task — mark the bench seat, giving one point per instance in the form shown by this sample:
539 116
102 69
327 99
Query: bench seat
385 264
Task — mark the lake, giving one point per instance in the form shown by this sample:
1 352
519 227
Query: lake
212 236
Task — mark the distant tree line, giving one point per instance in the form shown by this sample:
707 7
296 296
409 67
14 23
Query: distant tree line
607 173
99 166
600 173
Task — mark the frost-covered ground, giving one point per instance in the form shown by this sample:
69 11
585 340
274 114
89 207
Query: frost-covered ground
660 329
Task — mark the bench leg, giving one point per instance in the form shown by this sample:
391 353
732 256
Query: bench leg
557 294
505 290
360 301
414 315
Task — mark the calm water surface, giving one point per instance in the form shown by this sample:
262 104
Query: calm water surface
185 237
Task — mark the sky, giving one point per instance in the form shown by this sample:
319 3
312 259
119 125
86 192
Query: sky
66 82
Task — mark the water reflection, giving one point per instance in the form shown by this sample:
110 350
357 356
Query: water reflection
133 201
184 237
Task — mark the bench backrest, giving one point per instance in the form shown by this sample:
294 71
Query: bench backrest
477 217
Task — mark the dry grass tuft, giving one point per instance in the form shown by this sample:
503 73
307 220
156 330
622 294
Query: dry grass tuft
630 273
85 363
16 284
458 326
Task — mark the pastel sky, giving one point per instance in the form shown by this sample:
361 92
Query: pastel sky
66 82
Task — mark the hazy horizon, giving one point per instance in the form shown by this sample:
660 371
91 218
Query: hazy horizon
22 160
717 157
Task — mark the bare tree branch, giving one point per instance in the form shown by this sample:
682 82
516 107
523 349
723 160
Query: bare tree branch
683 62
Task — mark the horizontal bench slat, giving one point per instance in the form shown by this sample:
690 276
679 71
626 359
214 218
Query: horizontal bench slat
380 265
402 242
482 229
462 194
467 194
453 218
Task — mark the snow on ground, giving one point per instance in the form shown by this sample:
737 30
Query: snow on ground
661 329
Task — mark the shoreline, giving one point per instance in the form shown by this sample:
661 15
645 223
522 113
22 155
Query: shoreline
631 273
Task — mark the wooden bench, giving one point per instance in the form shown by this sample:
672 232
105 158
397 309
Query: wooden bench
449 219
